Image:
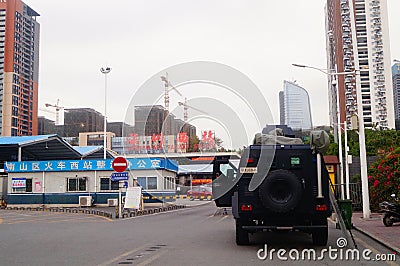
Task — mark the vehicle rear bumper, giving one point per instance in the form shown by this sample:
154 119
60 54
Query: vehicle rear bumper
294 227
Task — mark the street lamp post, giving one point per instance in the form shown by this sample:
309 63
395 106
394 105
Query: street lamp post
338 122
363 153
339 133
361 135
105 71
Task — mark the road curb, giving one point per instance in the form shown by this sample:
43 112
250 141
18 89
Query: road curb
377 239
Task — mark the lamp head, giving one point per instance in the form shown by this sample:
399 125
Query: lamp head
298 65
105 70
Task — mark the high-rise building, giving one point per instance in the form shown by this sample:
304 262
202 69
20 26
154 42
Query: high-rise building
396 89
295 110
372 48
19 66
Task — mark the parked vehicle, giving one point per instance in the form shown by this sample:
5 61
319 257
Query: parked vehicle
200 192
392 212
292 195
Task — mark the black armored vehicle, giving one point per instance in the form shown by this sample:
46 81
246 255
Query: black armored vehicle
278 184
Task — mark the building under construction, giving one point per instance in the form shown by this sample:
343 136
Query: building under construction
151 119
78 120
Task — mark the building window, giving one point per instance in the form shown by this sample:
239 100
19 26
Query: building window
169 183
148 182
76 184
151 182
142 181
107 184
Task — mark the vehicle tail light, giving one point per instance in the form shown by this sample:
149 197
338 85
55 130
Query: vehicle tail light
321 207
246 208
250 160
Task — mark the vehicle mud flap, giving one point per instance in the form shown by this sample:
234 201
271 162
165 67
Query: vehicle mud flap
242 236
320 235
235 205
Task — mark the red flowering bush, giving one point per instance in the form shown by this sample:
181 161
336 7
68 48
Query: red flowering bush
384 178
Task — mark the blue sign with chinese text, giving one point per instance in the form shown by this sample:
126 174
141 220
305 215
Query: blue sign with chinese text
87 165
119 176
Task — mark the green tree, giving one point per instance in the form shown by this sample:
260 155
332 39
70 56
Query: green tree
193 144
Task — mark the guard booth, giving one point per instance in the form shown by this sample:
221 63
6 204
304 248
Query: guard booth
332 162
71 183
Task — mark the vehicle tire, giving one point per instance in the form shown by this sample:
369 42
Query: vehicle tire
242 236
281 191
387 220
320 236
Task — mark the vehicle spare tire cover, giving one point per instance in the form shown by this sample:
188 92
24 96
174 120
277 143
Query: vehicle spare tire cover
280 191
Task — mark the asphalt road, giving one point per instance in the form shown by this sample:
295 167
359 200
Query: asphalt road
192 236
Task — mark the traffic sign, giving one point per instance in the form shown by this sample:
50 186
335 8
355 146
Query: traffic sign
119 164
119 176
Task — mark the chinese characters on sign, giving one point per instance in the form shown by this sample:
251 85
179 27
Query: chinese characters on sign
82 165
18 182
207 141
157 143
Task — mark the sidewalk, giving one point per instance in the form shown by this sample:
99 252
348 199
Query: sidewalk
374 227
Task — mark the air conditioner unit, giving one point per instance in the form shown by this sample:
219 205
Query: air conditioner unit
112 202
85 201
123 199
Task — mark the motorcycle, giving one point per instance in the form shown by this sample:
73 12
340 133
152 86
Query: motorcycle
392 212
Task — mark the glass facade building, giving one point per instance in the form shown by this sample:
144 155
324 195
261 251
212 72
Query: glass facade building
295 107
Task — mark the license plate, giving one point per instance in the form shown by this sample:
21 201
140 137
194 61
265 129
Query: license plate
248 170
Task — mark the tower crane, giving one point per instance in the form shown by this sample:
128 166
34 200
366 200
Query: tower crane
185 110
58 108
167 84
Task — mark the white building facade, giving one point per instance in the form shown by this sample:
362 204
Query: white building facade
373 50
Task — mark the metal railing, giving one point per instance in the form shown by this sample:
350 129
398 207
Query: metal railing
355 194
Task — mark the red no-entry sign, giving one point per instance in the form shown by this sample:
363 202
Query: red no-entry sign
119 164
